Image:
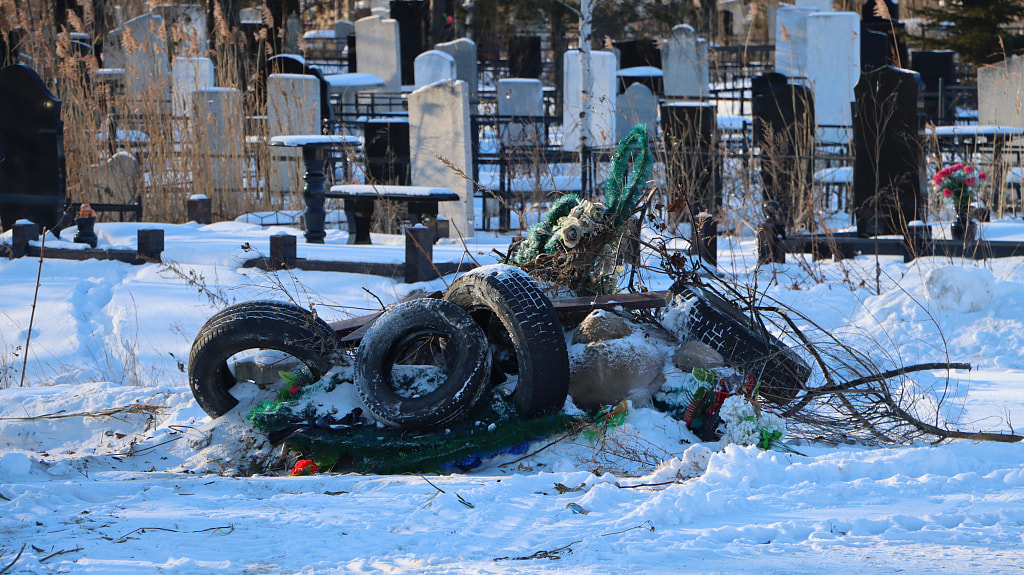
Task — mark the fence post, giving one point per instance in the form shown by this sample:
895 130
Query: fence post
150 244
419 254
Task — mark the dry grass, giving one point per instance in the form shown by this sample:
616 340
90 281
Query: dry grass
205 152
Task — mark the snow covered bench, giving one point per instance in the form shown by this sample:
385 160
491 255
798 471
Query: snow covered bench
421 202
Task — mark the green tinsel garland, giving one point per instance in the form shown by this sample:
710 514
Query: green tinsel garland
621 197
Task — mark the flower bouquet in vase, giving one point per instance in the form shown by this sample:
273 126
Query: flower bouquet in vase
959 185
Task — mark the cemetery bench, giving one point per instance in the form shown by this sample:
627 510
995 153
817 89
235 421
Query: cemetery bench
422 203
313 193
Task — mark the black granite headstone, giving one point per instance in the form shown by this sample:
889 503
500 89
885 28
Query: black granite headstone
413 33
524 59
871 10
877 51
938 72
692 163
888 167
784 133
32 168
639 52
388 158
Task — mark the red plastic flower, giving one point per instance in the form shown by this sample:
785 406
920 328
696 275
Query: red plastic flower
947 193
305 467
969 181
983 176
293 390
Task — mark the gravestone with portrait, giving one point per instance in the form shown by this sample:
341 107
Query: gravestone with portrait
32 165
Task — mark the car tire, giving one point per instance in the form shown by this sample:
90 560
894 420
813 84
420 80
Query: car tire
717 323
422 332
524 332
249 325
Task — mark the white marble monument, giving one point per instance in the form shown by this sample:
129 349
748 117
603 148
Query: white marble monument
439 125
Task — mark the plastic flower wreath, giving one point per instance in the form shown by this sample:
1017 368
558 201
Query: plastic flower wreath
958 184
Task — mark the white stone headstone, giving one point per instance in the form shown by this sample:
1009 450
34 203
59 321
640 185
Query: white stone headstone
342 30
833 69
791 41
293 109
637 105
219 129
187 76
602 99
188 24
292 33
439 125
433 66
522 97
818 5
377 50
1001 93
147 77
250 15
464 52
685 63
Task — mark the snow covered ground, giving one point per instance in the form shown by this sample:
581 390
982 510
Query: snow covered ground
107 465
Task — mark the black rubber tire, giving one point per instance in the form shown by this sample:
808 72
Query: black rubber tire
717 323
468 364
521 324
255 325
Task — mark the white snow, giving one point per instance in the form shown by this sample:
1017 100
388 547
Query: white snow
107 464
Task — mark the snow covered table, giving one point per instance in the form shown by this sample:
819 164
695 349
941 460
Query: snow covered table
313 192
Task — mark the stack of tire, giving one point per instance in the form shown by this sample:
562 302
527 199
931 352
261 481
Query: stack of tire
496 321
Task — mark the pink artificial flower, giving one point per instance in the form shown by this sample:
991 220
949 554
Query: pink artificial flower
947 193
969 181
968 169
983 176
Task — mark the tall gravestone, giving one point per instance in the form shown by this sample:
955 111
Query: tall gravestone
293 109
637 105
464 52
602 100
638 52
147 73
938 72
378 54
524 57
888 168
187 23
874 49
692 163
187 76
387 151
32 169
440 126
685 63
1000 87
791 41
784 133
433 66
218 126
833 67
520 104
413 17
